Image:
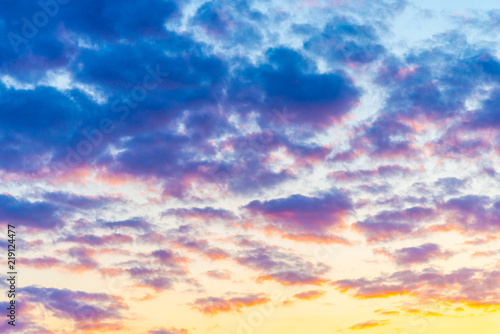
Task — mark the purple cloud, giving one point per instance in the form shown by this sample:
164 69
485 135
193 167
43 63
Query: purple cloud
418 255
21 212
305 218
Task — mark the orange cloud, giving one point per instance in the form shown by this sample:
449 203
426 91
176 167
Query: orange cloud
387 312
100 327
287 281
369 324
310 295
214 305
41 262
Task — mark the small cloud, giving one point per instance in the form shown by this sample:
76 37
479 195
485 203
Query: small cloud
369 324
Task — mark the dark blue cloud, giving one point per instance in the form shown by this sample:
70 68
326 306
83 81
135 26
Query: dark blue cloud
188 64
20 212
42 35
488 116
231 22
155 154
31 40
343 41
287 80
45 124
40 123
118 20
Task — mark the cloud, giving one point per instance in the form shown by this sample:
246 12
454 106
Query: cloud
347 42
472 213
85 259
68 114
79 201
102 240
187 237
85 309
31 324
487 116
363 289
219 274
451 185
201 214
388 225
132 21
385 137
287 79
158 270
167 258
48 46
168 331
417 255
309 295
473 287
156 279
45 262
135 223
214 305
384 171
300 122
26 150
231 24
285 268
369 324
23 212
301 217
419 89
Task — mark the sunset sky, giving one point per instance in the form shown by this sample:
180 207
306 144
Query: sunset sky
251 166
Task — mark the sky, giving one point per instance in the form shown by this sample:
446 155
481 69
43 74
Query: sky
251 166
